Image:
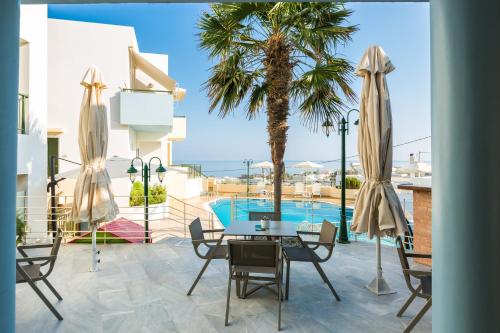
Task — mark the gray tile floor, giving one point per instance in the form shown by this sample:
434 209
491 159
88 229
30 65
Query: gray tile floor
142 288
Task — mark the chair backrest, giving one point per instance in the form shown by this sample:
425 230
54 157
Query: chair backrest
195 230
403 259
316 188
327 235
257 216
254 253
57 243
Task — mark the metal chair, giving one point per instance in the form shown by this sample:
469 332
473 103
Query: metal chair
257 216
247 258
28 269
423 290
213 252
307 253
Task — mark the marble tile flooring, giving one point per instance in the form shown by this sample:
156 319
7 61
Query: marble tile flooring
142 288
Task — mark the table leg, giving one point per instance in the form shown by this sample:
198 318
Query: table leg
205 266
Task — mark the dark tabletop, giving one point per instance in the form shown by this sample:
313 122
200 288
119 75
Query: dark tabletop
247 228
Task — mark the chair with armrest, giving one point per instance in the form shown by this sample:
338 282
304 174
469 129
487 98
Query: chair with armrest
254 261
424 288
29 269
307 253
214 251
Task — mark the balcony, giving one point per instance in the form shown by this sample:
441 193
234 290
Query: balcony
147 110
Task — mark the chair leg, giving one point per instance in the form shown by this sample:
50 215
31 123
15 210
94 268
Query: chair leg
238 285
39 293
228 298
419 316
203 269
408 302
54 291
287 287
279 303
323 276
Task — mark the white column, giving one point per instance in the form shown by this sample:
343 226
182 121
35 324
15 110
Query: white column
465 52
9 70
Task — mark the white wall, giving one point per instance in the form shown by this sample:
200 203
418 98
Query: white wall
73 48
180 186
32 147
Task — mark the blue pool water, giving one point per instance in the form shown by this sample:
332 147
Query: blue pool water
291 210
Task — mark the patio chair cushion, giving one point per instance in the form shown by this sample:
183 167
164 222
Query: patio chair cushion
33 272
220 251
299 254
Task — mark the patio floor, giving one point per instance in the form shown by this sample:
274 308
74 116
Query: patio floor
142 288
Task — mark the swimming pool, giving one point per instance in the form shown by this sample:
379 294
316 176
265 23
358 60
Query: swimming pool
291 210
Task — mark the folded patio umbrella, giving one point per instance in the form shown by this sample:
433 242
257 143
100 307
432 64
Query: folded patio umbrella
377 210
93 198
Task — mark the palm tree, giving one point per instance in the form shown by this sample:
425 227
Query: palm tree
269 55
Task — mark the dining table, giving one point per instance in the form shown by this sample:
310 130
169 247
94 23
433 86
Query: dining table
276 229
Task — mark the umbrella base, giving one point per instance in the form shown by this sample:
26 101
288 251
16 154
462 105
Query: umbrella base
378 286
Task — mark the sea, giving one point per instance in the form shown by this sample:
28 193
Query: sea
237 168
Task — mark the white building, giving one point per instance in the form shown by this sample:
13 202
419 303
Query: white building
32 119
140 99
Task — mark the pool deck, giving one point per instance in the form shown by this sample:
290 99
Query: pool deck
142 288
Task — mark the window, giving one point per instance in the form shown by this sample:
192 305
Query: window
52 150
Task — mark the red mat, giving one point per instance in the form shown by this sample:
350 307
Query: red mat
122 228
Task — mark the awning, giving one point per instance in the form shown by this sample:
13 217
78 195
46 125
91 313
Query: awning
137 61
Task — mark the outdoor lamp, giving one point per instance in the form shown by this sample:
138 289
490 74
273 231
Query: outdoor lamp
132 173
327 127
160 172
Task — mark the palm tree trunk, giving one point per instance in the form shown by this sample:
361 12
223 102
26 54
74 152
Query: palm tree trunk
278 78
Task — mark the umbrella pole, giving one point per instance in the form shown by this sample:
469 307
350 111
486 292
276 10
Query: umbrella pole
93 267
379 286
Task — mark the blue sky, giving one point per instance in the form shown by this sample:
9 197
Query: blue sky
401 29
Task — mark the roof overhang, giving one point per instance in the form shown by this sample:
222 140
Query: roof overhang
170 1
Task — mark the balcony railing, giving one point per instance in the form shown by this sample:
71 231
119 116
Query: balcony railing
22 114
193 170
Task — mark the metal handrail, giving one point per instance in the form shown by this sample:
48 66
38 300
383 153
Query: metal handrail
148 90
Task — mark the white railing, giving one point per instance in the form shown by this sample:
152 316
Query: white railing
311 209
170 218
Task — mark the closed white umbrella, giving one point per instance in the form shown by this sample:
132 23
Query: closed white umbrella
93 198
377 210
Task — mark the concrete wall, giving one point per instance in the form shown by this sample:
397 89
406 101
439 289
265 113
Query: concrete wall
326 191
32 147
73 48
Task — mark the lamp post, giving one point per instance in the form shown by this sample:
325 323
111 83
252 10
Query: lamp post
248 162
343 126
146 177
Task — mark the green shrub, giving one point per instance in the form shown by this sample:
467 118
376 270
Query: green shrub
20 227
157 194
352 183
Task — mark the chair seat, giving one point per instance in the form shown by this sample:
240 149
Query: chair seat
300 254
254 269
220 251
33 272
